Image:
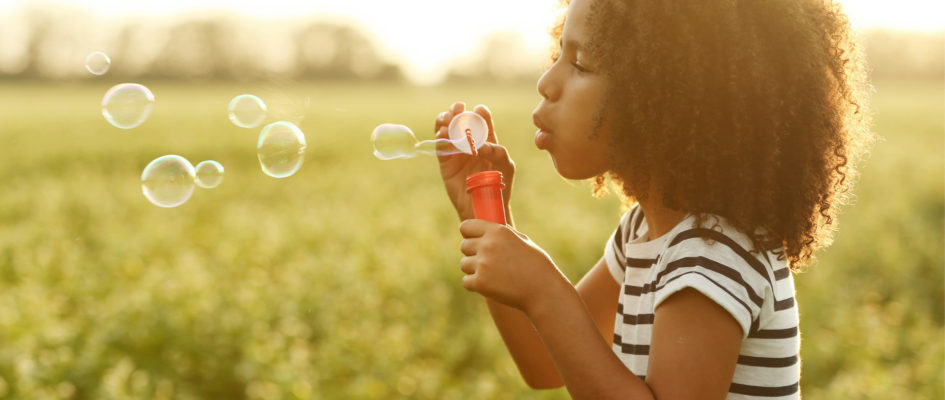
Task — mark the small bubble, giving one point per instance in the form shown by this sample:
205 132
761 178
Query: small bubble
209 174
246 111
97 63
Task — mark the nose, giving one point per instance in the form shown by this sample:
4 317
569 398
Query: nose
548 87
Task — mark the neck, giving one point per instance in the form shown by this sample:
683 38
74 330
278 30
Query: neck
659 219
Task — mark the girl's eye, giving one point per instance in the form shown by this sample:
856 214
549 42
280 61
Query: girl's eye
577 65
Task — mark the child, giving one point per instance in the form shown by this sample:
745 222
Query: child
732 128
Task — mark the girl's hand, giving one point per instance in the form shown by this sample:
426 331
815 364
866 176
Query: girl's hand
454 168
506 266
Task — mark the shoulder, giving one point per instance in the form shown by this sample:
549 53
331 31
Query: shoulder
716 260
716 242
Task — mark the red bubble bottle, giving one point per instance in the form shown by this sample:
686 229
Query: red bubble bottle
486 190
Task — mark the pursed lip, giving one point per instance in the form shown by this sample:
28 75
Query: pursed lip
543 136
538 123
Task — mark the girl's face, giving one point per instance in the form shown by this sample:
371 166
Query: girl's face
569 115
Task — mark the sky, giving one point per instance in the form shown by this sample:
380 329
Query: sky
427 35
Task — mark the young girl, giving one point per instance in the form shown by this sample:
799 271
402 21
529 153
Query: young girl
732 128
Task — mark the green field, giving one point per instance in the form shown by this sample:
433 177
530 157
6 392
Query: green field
342 281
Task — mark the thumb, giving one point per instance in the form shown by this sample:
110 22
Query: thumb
486 114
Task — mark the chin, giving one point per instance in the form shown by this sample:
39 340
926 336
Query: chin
573 172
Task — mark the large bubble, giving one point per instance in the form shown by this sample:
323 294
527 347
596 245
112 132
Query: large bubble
127 105
281 149
246 111
168 181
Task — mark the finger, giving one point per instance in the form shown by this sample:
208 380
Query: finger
499 157
473 228
495 153
469 282
467 265
457 108
443 118
468 247
520 235
440 121
486 114
443 132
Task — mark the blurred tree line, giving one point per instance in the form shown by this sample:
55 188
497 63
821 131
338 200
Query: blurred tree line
51 43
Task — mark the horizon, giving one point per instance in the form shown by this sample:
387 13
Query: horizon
424 44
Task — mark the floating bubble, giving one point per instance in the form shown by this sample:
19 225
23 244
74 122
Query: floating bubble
209 174
168 181
393 141
246 111
97 63
468 131
281 149
127 105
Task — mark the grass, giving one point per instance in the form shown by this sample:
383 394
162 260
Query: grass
342 281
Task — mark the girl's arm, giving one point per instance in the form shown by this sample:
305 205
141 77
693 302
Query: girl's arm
693 350
597 290
695 342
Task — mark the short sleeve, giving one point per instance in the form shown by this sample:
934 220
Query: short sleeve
719 270
614 254
612 258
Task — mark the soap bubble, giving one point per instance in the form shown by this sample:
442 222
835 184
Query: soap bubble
393 141
246 111
127 105
468 127
281 149
97 63
168 181
209 174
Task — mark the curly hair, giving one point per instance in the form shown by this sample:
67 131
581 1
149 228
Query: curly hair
753 110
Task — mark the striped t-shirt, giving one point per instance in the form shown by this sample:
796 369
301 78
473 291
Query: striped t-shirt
756 289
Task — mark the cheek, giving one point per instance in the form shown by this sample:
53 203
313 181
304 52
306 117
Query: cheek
583 157
601 151
597 144
592 105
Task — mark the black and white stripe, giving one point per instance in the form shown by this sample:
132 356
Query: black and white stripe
756 288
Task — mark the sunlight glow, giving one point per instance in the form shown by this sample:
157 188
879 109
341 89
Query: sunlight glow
427 37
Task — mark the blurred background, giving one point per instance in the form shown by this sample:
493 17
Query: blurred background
341 281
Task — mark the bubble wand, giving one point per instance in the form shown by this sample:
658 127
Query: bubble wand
472 143
468 132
